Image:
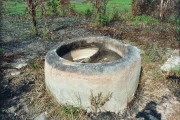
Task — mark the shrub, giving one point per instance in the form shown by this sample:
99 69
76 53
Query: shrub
53 5
65 6
99 7
88 14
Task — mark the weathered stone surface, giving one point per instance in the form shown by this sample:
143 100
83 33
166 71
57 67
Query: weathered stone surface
42 116
173 62
15 73
72 82
19 66
12 110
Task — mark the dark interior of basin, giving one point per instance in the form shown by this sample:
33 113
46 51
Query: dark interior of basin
90 52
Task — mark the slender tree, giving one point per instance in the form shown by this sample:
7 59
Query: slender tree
31 7
64 6
100 10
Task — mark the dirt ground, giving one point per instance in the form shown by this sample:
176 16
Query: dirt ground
22 89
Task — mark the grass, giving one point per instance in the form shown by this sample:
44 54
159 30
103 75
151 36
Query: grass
36 64
151 54
145 19
81 7
114 7
1 49
15 8
119 4
176 70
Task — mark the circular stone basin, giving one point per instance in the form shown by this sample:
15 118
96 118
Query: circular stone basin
77 70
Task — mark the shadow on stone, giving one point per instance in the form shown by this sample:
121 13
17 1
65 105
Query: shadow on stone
149 112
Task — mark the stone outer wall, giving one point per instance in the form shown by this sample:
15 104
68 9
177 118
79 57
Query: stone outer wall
74 88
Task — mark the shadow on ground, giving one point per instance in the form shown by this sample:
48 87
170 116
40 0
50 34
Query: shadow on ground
149 112
9 92
174 85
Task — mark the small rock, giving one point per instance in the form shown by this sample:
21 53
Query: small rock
21 101
42 116
152 117
12 110
140 50
15 73
173 62
19 66
26 109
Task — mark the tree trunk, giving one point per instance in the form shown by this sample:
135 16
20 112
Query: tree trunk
163 9
35 25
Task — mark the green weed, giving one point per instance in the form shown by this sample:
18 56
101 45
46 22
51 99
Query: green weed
53 6
70 110
1 49
36 64
151 54
178 25
145 19
171 19
15 8
88 13
176 70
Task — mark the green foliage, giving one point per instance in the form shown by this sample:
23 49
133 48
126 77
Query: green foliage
70 110
32 28
81 7
178 28
172 19
1 49
176 70
88 14
102 20
15 8
119 5
178 24
36 64
105 20
99 12
151 54
145 19
47 35
111 10
43 33
119 15
53 6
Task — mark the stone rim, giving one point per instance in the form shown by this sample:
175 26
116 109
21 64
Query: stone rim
131 55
